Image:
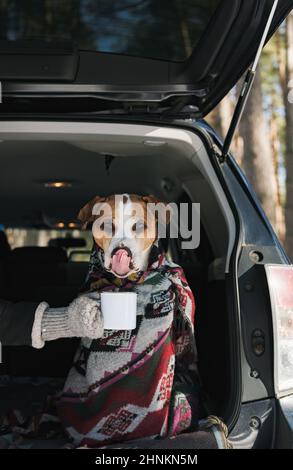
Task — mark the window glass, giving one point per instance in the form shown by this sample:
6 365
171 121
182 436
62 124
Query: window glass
161 29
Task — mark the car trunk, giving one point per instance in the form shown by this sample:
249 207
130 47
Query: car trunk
105 158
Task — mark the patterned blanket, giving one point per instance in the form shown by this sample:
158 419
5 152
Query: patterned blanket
132 384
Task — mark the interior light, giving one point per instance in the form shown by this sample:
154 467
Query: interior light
58 184
154 143
73 225
60 225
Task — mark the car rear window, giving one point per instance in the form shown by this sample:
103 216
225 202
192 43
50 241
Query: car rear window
18 237
160 29
21 237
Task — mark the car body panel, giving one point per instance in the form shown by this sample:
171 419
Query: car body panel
226 47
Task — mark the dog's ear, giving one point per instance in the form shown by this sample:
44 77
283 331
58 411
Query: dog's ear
85 214
164 215
151 198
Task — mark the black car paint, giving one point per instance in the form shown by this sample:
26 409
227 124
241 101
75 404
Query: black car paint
263 423
226 50
254 428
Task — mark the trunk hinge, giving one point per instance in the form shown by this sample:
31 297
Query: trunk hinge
245 90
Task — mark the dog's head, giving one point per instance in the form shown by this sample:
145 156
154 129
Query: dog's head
125 227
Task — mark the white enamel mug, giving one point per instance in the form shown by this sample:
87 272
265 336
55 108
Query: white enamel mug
119 310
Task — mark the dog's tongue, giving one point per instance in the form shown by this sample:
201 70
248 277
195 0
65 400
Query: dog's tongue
120 262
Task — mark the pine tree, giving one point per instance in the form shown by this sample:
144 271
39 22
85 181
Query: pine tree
288 104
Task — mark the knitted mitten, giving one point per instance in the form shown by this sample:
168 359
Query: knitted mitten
82 319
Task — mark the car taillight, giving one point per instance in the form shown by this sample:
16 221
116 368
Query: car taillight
280 282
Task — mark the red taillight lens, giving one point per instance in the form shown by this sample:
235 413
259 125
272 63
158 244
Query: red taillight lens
280 282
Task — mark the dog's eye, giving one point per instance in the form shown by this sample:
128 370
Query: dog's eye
139 227
108 227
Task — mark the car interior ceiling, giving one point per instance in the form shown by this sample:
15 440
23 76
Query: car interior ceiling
46 273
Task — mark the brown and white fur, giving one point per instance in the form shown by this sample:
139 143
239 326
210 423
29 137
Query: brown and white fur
125 227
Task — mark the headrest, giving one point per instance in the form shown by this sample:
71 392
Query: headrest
67 242
38 255
4 245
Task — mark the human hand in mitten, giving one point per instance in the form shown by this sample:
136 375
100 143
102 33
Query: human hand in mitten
82 318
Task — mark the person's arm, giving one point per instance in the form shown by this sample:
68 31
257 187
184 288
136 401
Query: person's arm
16 322
33 324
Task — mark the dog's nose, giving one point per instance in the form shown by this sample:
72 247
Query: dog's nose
121 244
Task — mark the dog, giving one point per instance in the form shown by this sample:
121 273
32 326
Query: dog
139 383
126 230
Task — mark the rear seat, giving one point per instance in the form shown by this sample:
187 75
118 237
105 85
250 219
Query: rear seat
38 274
31 268
4 253
3 364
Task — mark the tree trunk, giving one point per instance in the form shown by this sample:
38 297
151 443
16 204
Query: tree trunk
288 101
258 159
276 151
281 57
